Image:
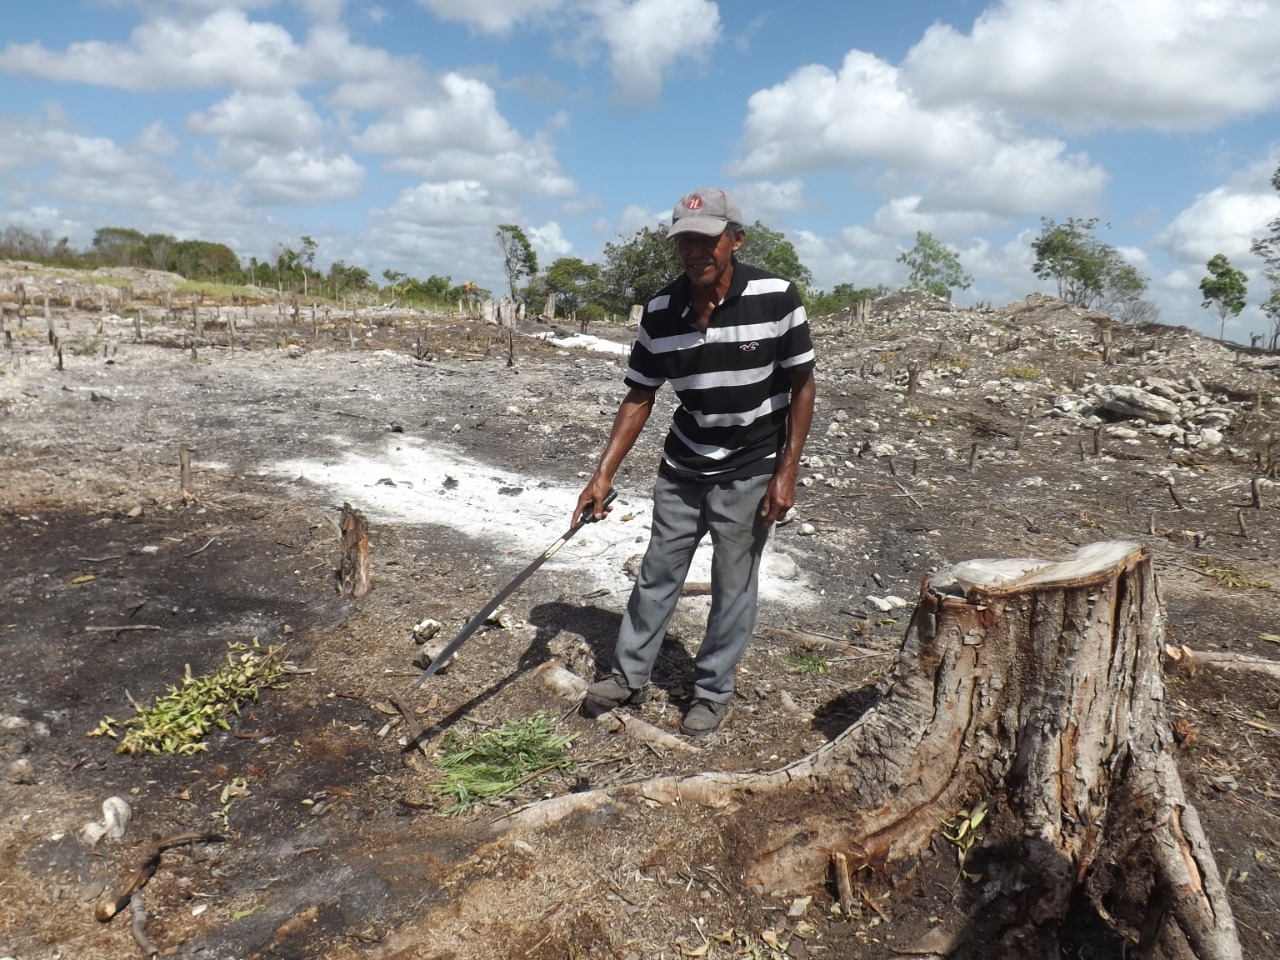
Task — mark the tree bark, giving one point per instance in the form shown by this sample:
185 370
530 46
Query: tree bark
1033 687
354 572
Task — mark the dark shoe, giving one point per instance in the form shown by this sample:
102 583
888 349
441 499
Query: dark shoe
611 692
703 717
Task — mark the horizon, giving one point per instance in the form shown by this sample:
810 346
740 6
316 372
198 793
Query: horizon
400 134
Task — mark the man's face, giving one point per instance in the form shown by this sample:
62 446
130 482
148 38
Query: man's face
705 259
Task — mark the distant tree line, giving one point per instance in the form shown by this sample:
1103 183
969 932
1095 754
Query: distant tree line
1085 270
290 270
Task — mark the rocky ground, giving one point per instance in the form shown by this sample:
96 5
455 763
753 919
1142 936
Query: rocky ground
941 435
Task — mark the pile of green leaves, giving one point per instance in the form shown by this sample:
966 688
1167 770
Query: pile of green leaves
498 763
805 661
176 722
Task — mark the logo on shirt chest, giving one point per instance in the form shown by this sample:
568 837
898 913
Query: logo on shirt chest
748 347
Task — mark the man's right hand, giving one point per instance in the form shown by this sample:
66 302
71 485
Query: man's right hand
593 495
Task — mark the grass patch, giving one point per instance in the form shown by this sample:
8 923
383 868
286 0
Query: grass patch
178 721
217 291
500 762
1229 575
805 661
1023 371
86 348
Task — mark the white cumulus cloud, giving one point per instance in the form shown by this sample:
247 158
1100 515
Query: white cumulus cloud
1224 220
1167 64
650 39
868 113
490 16
281 118
549 242
302 177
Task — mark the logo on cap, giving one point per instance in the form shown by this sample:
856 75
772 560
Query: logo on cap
695 202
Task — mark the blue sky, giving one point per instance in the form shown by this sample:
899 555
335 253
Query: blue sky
399 133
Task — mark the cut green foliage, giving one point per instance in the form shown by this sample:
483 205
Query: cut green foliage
86 348
805 661
1229 575
499 763
176 722
964 833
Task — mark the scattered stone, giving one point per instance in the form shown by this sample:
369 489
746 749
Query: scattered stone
806 530
116 814
1134 403
424 631
19 771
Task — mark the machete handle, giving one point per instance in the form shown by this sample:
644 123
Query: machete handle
589 511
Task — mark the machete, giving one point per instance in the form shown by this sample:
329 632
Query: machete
588 516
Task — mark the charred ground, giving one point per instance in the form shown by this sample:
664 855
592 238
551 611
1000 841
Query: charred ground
335 846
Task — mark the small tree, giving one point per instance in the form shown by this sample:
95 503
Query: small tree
1271 308
1225 289
935 267
1088 272
308 258
574 282
518 257
772 251
637 268
1073 258
1268 248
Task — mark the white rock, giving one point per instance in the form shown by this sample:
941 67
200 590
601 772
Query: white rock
19 771
780 566
424 631
13 723
91 833
806 530
116 814
1210 437
1134 403
1032 482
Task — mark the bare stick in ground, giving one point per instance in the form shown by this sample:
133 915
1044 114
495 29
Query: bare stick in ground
184 468
1034 687
354 571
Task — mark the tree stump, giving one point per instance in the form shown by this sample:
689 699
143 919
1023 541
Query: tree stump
353 574
1034 688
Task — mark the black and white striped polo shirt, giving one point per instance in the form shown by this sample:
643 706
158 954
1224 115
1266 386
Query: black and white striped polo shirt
733 380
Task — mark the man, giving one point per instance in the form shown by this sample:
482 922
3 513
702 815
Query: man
734 343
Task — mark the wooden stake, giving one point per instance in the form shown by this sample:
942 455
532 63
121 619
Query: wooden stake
354 572
1256 488
1244 531
844 884
1174 494
184 468
973 458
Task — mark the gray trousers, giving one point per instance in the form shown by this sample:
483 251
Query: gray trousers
683 512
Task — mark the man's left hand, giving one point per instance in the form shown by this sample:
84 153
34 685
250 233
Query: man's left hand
779 498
